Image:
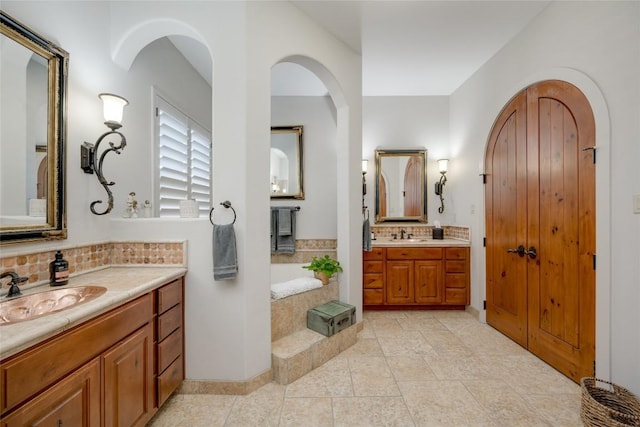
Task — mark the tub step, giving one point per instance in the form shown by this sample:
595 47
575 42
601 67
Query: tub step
300 352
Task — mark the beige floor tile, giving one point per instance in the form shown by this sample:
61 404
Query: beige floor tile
260 408
363 347
458 367
329 380
405 343
415 323
506 407
443 403
383 327
422 368
310 412
371 376
410 368
446 343
196 410
371 411
558 410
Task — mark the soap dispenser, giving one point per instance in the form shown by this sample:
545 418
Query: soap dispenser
59 271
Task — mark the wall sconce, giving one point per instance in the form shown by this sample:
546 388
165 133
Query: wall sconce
442 166
365 164
113 106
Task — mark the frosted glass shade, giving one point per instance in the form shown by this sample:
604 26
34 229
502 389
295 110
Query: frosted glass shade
442 165
113 108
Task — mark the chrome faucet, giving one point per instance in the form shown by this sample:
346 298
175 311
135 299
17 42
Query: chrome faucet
14 290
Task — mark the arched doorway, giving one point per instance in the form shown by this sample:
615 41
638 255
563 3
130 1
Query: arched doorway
540 225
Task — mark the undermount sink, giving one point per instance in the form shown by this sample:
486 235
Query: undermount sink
42 303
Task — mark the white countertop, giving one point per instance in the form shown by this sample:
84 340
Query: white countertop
418 241
123 284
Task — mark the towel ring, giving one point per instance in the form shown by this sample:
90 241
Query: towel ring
226 204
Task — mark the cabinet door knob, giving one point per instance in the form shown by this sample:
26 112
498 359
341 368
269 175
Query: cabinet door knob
520 251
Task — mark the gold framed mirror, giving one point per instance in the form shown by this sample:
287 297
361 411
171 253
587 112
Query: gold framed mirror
32 135
401 185
286 167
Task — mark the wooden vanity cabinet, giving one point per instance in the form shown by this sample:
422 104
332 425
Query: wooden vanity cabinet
373 272
101 372
169 342
416 277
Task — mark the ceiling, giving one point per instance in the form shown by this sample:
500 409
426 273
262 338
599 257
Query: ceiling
409 48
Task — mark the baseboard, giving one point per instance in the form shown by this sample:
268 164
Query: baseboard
225 387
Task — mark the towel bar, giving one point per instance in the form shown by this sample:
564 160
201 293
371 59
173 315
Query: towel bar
226 204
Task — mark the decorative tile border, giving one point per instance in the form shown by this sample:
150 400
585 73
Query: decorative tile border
83 259
306 249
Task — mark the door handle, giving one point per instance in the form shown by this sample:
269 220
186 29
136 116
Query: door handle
531 252
520 251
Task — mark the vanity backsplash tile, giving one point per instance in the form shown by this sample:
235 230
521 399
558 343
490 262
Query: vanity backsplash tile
421 231
86 258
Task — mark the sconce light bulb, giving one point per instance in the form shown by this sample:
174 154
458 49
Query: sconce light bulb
113 109
442 165
365 165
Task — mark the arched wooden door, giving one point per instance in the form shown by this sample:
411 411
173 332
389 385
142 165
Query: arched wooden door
540 223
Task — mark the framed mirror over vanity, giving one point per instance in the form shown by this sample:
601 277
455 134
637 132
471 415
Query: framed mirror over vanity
33 79
286 166
401 185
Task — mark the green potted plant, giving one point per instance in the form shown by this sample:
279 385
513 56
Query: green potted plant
324 268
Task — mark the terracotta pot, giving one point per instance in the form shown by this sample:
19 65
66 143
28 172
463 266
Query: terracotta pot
322 277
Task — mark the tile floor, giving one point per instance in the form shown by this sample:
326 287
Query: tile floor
408 368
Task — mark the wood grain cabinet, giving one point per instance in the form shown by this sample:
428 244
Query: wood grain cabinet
416 277
102 372
169 368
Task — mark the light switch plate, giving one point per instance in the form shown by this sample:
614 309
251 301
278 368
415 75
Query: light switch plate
636 203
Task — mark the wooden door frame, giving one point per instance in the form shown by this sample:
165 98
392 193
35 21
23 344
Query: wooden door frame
603 204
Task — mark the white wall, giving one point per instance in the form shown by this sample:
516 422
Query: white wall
595 46
228 336
410 122
317 218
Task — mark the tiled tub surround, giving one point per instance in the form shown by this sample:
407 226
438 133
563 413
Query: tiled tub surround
296 350
123 284
83 259
306 249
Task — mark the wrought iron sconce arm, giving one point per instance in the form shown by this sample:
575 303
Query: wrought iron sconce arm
440 190
91 163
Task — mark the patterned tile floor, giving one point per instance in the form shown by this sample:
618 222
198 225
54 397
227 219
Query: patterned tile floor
408 368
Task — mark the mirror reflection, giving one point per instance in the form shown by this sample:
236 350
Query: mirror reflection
401 185
286 162
32 80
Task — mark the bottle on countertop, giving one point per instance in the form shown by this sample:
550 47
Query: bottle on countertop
59 271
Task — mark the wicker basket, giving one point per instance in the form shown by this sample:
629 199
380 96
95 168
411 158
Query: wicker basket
608 404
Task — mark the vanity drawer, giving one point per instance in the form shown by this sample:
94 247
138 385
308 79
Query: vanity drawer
375 253
455 280
455 296
169 350
169 295
170 380
372 281
414 253
455 266
169 322
372 296
456 253
372 266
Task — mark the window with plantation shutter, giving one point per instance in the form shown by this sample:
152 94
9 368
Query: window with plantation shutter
183 161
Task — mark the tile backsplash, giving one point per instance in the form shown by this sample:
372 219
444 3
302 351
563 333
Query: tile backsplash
421 231
95 256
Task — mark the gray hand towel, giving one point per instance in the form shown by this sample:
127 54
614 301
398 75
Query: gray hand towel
284 222
225 259
274 224
366 235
